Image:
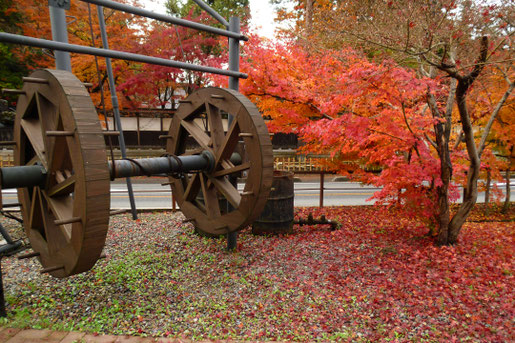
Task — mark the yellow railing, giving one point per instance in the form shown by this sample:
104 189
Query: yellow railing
6 158
298 163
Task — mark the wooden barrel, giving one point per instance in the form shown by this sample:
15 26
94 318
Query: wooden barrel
277 217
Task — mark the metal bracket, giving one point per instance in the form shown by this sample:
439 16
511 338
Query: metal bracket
65 4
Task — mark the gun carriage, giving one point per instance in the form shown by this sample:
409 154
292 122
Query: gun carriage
63 175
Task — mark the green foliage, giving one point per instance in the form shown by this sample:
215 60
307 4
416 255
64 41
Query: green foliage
226 8
12 68
9 19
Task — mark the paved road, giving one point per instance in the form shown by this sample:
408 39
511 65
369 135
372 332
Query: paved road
306 194
151 195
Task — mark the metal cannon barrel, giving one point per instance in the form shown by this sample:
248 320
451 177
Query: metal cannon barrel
161 165
30 176
22 176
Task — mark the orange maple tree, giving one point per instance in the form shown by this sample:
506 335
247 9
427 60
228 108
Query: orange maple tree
124 32
367 115
449 41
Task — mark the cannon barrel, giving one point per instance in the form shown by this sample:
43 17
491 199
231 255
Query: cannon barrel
30 176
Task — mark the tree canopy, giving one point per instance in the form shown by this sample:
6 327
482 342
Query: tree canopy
396 84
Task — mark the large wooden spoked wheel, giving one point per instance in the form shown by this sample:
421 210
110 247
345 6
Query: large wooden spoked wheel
57 126
208 199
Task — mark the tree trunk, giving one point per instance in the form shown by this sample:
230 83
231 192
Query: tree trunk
443 208
470 196
309 17
507 200
487 191
442 134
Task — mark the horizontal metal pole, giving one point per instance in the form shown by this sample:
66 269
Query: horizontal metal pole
22 176
166 18
43 43
7 248
159 165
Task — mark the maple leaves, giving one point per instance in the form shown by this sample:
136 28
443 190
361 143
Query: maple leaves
158 86
138 84
367 116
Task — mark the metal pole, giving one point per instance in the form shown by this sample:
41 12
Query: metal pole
3 312
234 53
212 12
116 111
321 189
234 65
166 18
60 34
161 165
43 43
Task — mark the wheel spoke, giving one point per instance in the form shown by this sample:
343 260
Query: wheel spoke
62 207
210 199
47 113
227 189
32 130
35 220
232 170
64 187
33 161
192 189
58 236
59 158
229 144
215 125
197 133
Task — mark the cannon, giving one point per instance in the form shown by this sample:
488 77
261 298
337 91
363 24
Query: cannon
63 176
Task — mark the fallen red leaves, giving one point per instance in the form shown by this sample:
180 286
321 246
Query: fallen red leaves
380 276
377 278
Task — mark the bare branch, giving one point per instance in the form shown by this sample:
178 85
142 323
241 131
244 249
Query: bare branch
458 140
387 134
433 143
493 116
313 106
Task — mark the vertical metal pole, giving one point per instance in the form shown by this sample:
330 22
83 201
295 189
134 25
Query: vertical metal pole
234 53
116 110
3 312
234 83
321 189
60 34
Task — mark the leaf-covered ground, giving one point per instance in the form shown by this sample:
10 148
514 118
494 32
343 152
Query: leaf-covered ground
376 278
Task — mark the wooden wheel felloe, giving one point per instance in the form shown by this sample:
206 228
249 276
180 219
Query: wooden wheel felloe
197 126
57 127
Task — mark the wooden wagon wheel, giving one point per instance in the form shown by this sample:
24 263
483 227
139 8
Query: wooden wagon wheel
57 126
200 119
